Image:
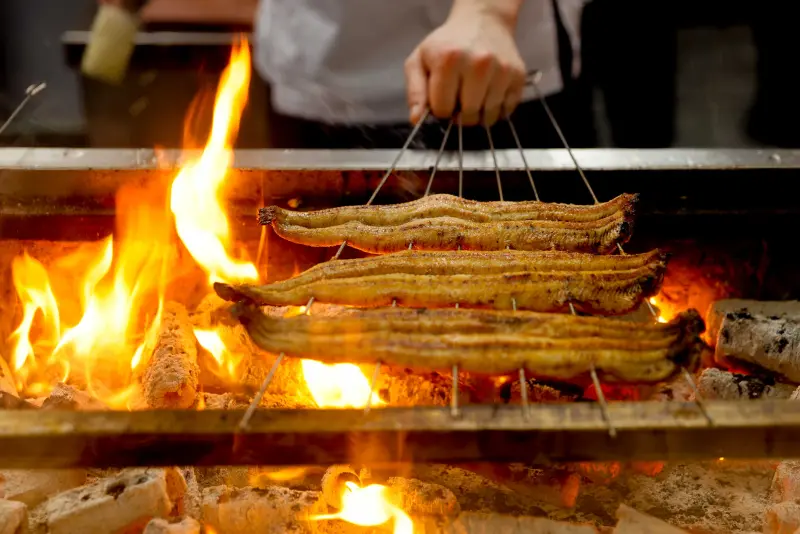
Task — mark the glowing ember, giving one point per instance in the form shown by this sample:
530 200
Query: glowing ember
369 507
195 198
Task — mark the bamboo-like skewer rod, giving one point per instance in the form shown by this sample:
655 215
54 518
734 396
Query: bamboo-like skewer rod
560 432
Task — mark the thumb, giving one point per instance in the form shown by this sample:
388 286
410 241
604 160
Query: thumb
416 86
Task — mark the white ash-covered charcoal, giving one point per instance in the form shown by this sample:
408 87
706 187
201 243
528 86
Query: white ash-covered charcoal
34 486
765 308
786 482
795 394
631 521
480 523
170 377
334 483
122 503
718 384
13 517
416 497
782 518
757 341
191 503
272 510
66 397
9 401
163 526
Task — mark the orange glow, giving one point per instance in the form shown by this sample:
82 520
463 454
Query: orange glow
339 385
285 474
195 198
665 314
369 507
227 361
117 285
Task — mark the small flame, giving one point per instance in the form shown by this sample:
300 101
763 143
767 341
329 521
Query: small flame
369 507
265 476
195 198
659 308
227 362
340 385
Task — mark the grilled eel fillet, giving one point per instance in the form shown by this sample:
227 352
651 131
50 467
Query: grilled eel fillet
554 346
601 236
539 281
434 206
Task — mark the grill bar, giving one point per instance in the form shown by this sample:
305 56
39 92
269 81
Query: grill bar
646 431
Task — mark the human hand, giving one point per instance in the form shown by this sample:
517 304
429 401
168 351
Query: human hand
471 61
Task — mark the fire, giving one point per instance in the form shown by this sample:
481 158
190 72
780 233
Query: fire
340 385
664 315
195 198
370 506
120 282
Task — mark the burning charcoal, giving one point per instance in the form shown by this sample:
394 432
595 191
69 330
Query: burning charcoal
422 498
718 384
557 487
162 526
272 510
35 486
477 523
334 483
721 308
13 517
631 521
123 503
786 482
66 397
599 472
767 342
170 377
782 518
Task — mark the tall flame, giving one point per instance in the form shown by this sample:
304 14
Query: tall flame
370 506
195 198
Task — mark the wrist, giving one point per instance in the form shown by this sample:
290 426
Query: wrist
504 11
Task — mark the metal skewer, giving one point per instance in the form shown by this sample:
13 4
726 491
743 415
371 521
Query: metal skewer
30 92
376 373
534 81
265 384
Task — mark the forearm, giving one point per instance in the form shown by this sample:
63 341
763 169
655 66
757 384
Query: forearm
505 10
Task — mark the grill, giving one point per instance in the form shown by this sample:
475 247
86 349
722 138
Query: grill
68 195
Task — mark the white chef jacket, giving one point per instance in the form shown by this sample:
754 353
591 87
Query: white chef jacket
341 61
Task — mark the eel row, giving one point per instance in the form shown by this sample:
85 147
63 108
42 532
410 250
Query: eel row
601 236
485 342
434 206
538 281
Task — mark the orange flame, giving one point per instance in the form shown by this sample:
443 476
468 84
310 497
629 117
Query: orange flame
118 284
338 385
370 506
122 287
195 198
664 316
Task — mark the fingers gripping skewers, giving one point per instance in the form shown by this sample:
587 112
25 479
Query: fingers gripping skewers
453 224
539 281
485 342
